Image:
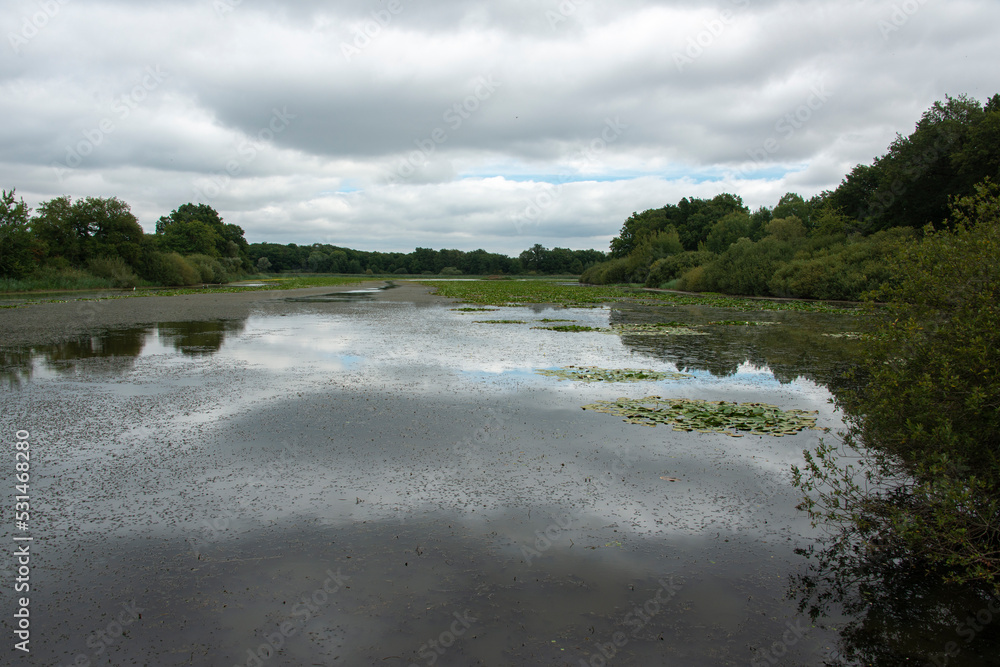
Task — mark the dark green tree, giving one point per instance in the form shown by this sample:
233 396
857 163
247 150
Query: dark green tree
16 259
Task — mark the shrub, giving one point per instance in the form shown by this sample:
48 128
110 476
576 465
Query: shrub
923 416
114 269
747 267
209 269
669 268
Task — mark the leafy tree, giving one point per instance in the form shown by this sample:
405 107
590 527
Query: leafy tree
728 231
199 229
88 228
16 260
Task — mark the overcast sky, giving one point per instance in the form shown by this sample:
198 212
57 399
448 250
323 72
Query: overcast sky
391 124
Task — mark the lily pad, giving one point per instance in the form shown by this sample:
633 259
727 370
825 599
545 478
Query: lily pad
571 328
666 329
686 414
740 323
499 322
597 374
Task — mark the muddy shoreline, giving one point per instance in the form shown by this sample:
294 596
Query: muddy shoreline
50 323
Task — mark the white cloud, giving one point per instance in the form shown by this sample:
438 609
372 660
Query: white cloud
709 99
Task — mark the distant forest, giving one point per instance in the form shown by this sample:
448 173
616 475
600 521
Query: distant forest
98 242
832 246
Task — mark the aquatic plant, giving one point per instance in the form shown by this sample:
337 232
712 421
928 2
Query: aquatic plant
669 329
499 322
598 374
686 414
572 328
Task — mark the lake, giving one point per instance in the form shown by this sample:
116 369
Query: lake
371 476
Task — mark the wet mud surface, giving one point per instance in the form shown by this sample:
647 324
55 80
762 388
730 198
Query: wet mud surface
375 480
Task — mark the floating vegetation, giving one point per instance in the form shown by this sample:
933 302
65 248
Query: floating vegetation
516 292
499 322
551 320
664 329
476 310
740 323
572 328
597 374
850 335
686 414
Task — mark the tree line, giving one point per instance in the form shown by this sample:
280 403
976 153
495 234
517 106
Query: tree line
98 242
325 258
834 245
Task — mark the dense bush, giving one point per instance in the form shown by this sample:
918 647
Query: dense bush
924 420
210 269
747 267
846 271
670 268
114 269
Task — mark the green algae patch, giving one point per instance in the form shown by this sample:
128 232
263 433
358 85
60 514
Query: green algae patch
475 310
740 323
572 328
686 414
597 374
499 322
552 320
664 329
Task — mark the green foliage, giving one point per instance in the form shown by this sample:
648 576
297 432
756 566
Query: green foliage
953 147
210 269
728 231
747 267
113 269
16 260
844 271
667 269
686 414
451 271
692 218
924 417
597 374
172 269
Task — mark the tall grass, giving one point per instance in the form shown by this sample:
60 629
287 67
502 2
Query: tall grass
56 280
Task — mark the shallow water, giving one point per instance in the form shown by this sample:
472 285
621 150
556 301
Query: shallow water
376 482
